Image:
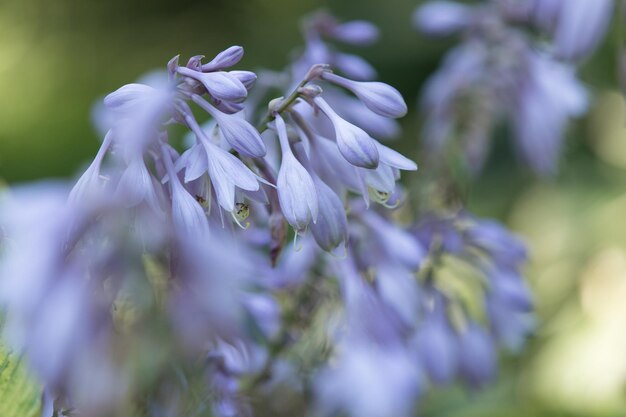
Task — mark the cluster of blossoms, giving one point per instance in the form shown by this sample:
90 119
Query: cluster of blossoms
166 284
517 61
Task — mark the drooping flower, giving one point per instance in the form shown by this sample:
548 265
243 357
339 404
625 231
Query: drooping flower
220 85
240 134
564 19
442 17
379 97
476 355
296 190
227 58
499 71
187 214
354 144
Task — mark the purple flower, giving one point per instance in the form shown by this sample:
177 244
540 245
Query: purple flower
549 97
395 242
187 215
565 19
504 248
368 381
220 85
477 355
240 134
354 111
379 97
296 190
372 341
442 17
354 144
437 345
226 58
247 78
356 32
331 227
90 183
399 289
137 185
498 72
225 171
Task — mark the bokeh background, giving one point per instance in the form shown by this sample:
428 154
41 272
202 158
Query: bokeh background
57 57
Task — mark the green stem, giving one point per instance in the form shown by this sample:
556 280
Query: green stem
314 72
284 105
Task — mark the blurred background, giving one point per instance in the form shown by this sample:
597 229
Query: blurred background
57 58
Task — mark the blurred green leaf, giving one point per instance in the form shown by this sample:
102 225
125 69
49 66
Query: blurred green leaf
20 396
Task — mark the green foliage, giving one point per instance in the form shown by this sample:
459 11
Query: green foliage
20 396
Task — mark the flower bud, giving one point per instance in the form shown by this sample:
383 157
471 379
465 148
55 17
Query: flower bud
331 227
442 17
477 355
188 215
240 134
127 96
357 32
247 78
398 243
296 191
226 58
437 345
220 85
379 97
354 144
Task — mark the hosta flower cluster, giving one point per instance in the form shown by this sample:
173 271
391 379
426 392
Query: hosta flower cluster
503 70
267 259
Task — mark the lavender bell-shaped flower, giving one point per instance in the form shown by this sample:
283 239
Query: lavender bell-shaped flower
226 58
369 381
442 18
240 134
354 144
355 32
127 97
397 243
90 183
296 190
332 167
220 85
398 288
551 95
247 78
225 170
379 97
137 185
188 216
477 356
437 345
373 340
571 42
331 227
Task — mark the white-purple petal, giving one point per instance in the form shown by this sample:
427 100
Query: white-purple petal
331 228
354 144
356 32
226 58
442 17
379 97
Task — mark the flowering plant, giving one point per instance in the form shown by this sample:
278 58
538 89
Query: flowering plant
268 258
